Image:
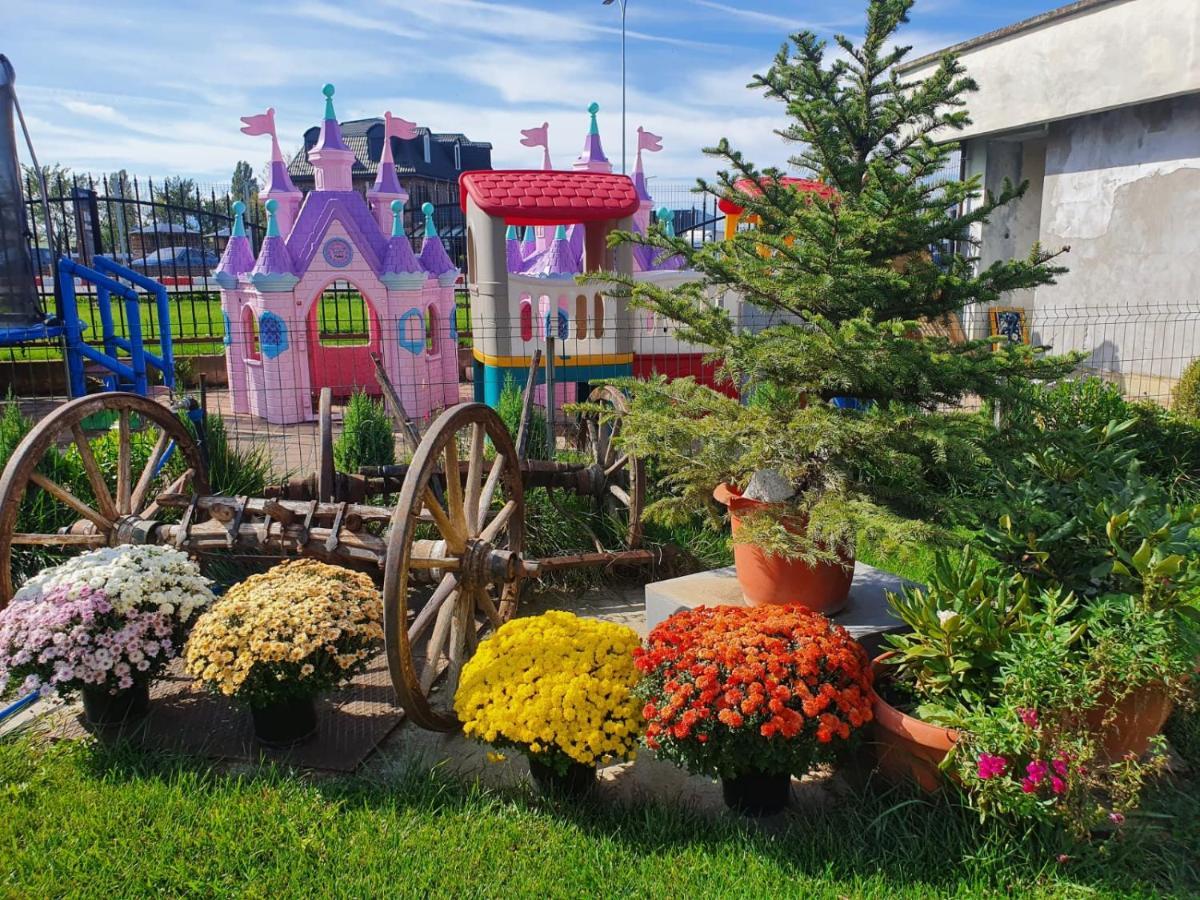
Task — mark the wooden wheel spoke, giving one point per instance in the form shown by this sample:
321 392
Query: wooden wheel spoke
175 487
455 539
446 587
489 489
474 476
620 463
449 564
124 463
454 490
593 427
488 607
621 494
66 540
138 500
95 477
497 525
437 641
610 445
61 493
461 625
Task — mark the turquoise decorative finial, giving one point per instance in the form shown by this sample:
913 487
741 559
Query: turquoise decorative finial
430 227
594 108
397 218
560 233
666 219
530 234
328 92
239 226
510 233
272 223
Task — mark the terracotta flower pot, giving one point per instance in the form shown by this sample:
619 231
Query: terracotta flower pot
1128 728
906 748
770 579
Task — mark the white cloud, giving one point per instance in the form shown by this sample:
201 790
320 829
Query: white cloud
101 111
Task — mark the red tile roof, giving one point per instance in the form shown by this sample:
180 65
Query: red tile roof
538 197
746 186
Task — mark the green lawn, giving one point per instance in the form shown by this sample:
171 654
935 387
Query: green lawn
197 325
94 821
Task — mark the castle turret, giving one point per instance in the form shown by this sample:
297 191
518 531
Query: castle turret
529 247
592 159
558 260
387 187
238 258
512 250
274 270
434 258
331 159
401 269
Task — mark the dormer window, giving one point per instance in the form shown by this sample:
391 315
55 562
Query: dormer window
458 156
428 153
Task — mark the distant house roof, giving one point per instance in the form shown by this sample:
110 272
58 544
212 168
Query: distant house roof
364 137
540 197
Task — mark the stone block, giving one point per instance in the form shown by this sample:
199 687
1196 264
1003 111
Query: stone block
866 615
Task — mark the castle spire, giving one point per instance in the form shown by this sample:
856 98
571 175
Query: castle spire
331 159
401 270
274 270
592 159
237 258
434 258
387 187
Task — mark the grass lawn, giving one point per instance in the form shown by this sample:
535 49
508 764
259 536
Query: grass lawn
90 820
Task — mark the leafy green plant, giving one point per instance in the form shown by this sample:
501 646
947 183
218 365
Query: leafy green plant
512 397
959 624
1185 399
366 438
235 469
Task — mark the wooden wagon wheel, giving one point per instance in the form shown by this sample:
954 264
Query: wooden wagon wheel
326 471
116 503
620 479
467 551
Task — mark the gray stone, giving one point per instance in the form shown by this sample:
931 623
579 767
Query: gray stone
866 615
768 486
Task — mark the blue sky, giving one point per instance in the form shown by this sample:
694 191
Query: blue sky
157 86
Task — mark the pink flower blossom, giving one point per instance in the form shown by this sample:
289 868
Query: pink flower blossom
1057 785
1116 818
1028 717
1061 765
1037 770
991 766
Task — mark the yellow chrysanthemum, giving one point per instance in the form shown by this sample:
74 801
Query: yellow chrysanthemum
554 682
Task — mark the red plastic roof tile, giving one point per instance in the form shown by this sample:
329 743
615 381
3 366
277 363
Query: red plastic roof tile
539 197
746 186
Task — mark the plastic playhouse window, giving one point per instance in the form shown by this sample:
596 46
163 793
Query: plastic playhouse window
342 317
250 324
431 331
581 317
526 318
598 316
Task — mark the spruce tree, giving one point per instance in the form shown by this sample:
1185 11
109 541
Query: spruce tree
847 278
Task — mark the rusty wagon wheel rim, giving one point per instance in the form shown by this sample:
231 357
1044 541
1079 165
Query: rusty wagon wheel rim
118 503
474 519
621 481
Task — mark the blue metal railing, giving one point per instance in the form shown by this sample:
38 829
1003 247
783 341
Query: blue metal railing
104 275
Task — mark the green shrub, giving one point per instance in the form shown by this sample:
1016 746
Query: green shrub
1185 399
235 470
509 408
366 438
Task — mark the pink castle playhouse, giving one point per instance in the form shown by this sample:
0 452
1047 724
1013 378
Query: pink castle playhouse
274 356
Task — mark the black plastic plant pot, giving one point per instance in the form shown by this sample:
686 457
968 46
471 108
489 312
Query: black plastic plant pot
100 707
285 723
757 793
576 783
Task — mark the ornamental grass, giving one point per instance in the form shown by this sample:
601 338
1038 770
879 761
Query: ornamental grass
292 632
557 687
733 690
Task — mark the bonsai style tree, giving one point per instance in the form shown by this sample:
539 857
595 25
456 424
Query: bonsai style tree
847 276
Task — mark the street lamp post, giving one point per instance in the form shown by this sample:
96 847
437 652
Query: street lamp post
623 3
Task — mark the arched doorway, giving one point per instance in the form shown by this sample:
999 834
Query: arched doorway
343 332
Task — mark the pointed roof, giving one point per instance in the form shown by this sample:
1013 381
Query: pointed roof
434 259
399 257
238 257
330 137
592 157
639 177
274 269
557 260
386 181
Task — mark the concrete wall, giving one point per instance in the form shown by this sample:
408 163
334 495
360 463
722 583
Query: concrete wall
1083 58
